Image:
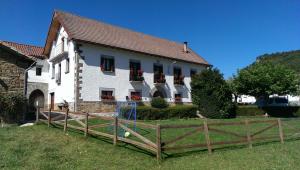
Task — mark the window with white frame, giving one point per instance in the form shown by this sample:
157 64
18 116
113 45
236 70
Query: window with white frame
38 70
53 71
67 65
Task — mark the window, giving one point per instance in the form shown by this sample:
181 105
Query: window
107 95
135 95
159 76
67 65
178 78
58 75
178 97
62 44
53 71
107 64
136 74
193 72
38 71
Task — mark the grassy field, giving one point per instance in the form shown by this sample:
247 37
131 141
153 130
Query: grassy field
39 147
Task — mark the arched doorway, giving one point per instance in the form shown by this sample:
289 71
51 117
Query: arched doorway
36 98
158 92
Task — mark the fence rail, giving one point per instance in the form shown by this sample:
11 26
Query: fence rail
82 122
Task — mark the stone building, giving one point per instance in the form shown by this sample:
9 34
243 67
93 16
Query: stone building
23 69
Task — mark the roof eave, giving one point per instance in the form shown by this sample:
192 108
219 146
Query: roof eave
89 42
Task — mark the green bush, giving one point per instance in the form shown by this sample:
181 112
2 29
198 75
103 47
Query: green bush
249 111
159 102
178 111
272 111
12 106
212 94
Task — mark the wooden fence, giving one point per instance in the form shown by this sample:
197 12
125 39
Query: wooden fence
80 121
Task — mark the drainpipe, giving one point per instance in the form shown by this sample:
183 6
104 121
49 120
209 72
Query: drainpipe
26 76
25 85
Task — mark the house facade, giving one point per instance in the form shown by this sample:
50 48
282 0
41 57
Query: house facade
92 64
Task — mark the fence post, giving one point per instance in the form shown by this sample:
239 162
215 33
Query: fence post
158 142
115 130
66 120
280 130
207 136
49 117
248 133
86 124
37 114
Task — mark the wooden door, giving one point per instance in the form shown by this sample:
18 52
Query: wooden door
52 101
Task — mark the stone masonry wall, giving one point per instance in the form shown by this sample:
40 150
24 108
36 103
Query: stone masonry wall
12 70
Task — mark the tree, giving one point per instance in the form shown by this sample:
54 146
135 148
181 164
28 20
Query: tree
233 88
212 95
262 79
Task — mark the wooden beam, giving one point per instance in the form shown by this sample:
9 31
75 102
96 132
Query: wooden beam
66 120
115 140
280 130
248 133
158 142
205 126
147 141
189 133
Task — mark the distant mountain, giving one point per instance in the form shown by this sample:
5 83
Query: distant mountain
290 59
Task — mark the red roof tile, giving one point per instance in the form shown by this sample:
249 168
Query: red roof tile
92 31
27 50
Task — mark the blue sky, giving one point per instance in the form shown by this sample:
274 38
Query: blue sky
229 34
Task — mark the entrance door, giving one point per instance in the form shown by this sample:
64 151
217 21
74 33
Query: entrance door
52 101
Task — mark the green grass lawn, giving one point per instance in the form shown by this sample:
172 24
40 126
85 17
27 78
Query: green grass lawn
40 147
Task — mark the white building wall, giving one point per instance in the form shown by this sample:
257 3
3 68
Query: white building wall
93 79
44 78
64 91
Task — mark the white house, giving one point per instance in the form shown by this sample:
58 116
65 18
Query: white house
92 63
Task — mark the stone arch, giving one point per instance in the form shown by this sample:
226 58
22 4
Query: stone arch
36 97
158 92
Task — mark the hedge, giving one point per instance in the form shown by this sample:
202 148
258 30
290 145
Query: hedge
291 111
12 106
178 111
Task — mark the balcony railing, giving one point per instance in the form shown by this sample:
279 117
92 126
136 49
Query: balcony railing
136 76
159 78
179 80
58 49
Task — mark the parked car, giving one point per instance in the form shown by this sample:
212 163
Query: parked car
278 101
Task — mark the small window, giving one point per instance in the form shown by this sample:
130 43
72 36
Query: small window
53 71
107 95
178 97
178 78
62 44
38 71
136 95
67 65
107 64
136 74
193 72
159 76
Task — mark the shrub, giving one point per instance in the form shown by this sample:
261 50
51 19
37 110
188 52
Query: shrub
212 94
150 113
272 111
159 102
12 106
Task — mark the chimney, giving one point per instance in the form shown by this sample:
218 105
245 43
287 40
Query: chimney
185 44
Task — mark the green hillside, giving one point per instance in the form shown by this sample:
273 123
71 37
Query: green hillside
291 59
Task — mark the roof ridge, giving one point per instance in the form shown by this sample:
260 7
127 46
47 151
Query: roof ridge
119 27
20 43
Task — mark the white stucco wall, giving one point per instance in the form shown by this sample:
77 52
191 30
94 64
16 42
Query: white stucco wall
64 91
44 78
93 79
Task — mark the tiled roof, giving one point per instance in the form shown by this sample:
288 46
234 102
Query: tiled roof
27 50
92 31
